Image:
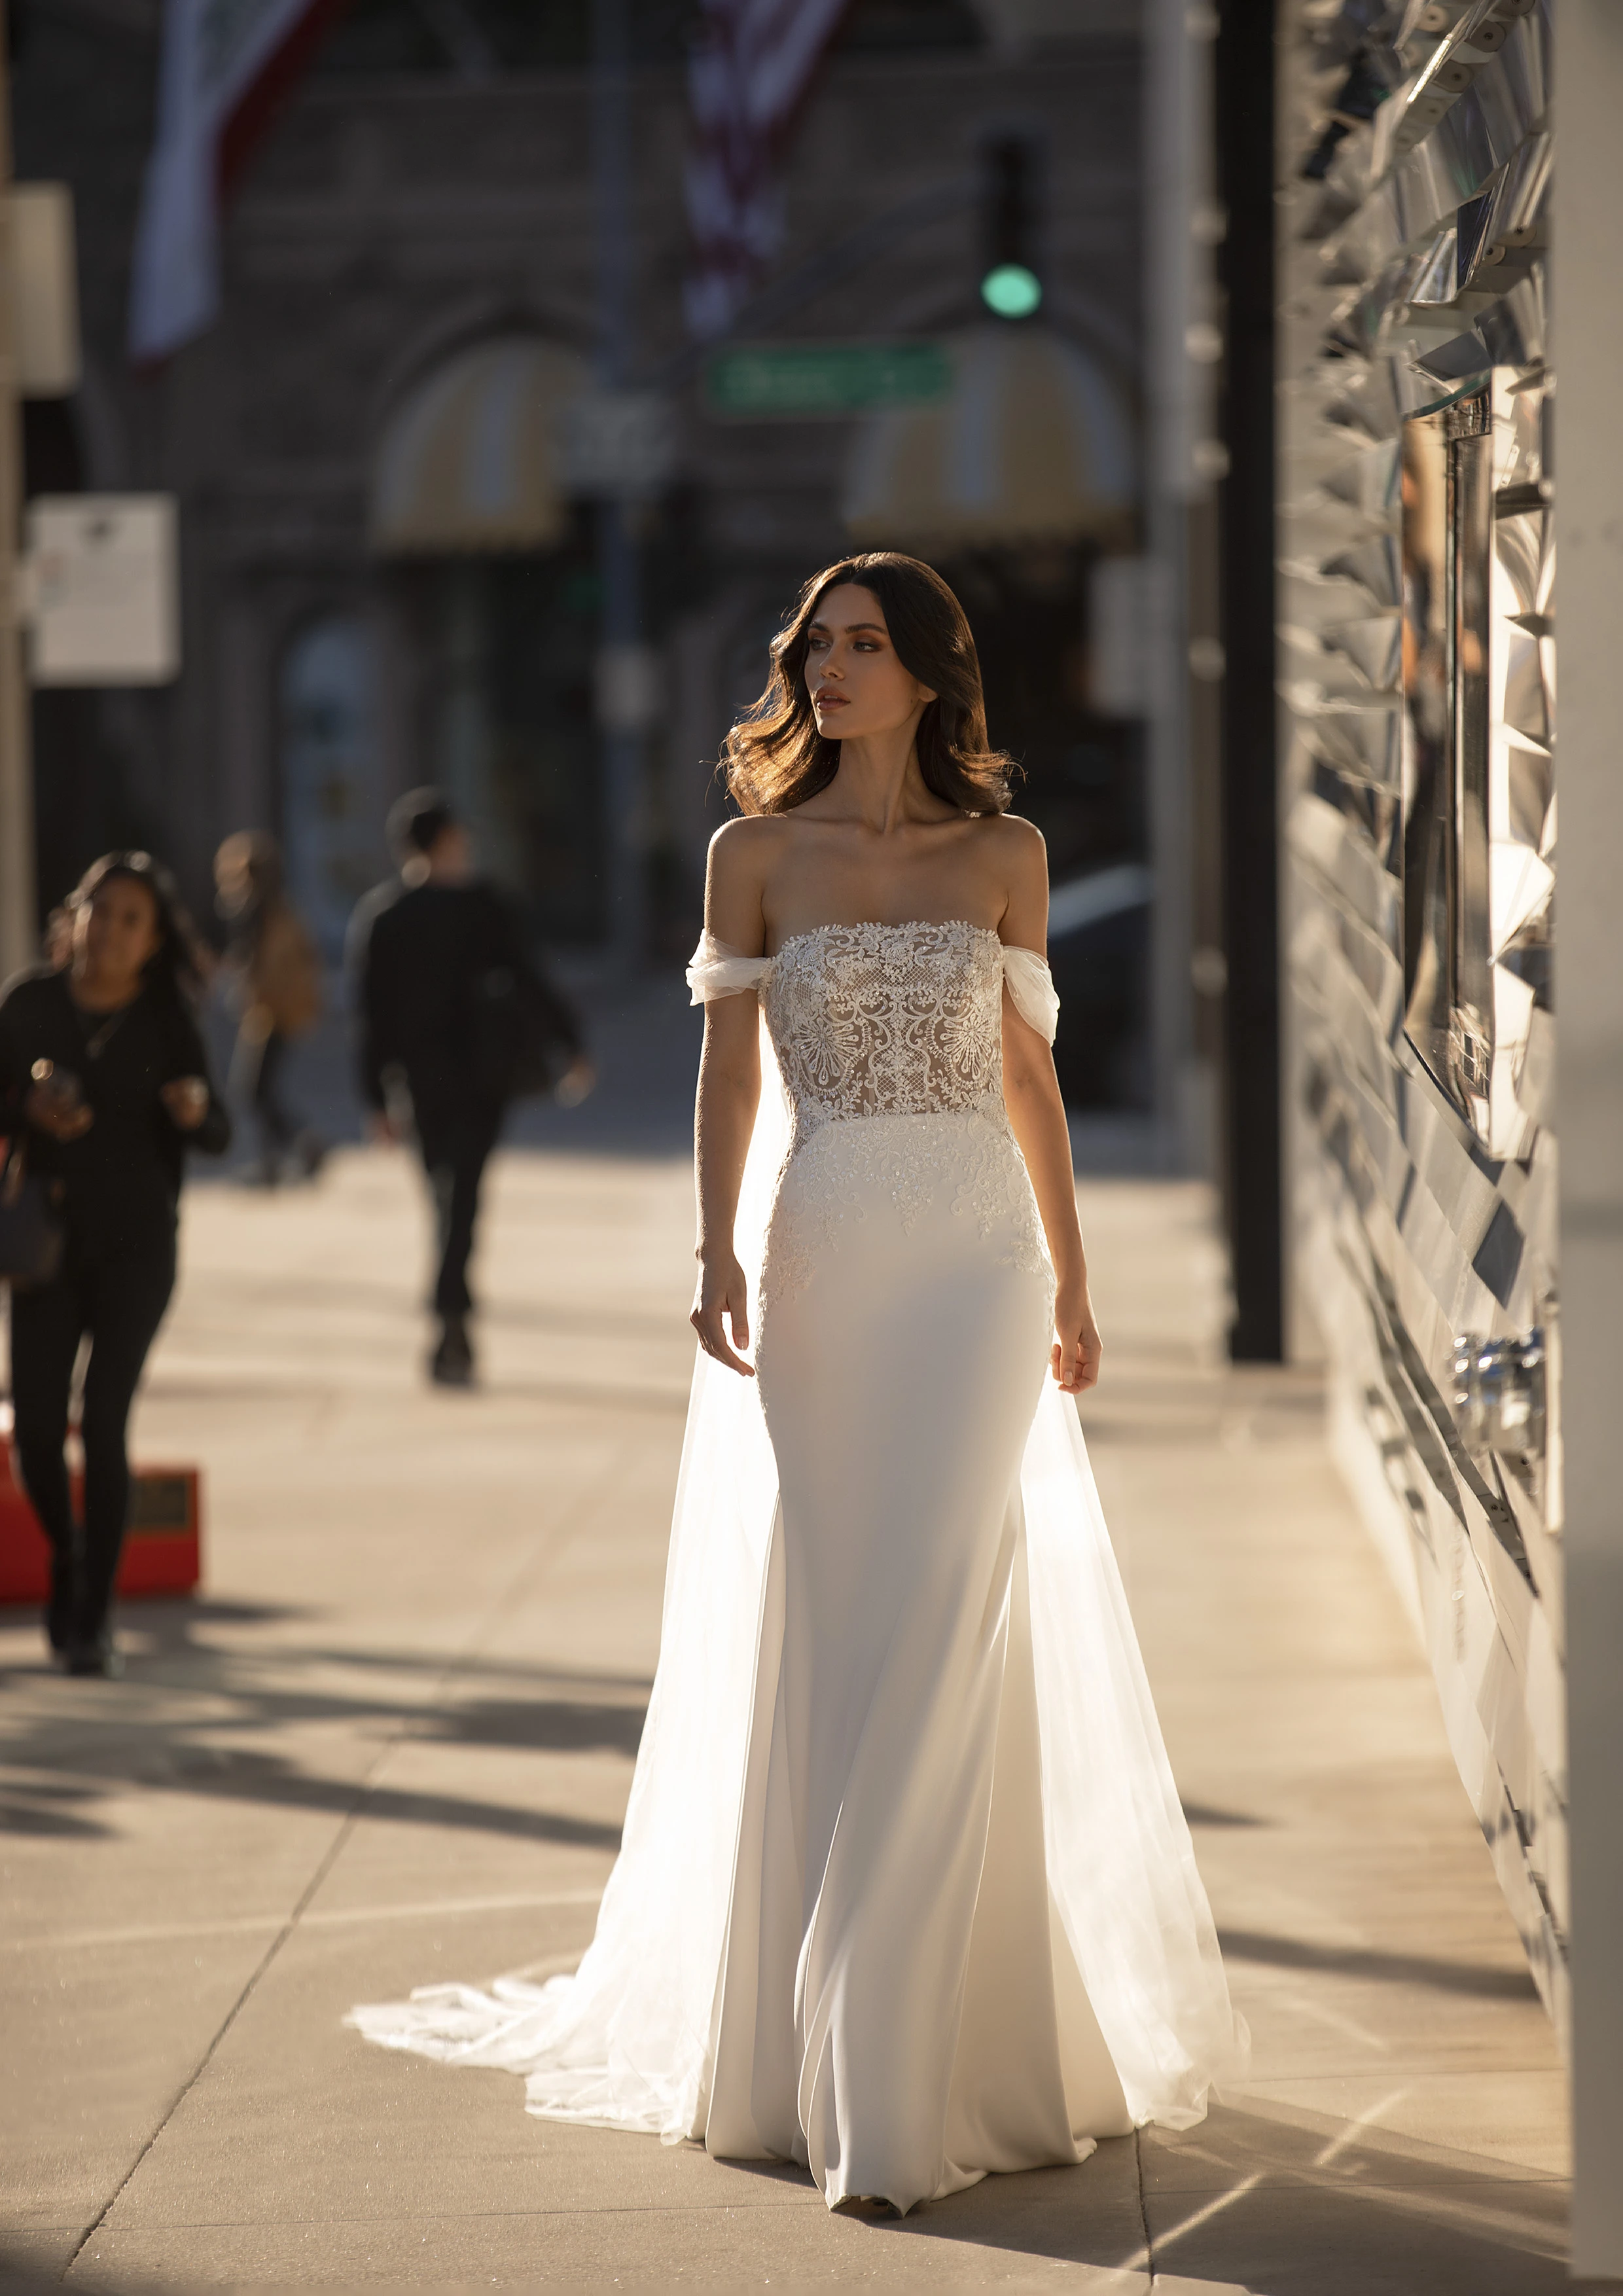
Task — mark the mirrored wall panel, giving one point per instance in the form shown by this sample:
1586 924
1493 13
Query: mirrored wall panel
1478 723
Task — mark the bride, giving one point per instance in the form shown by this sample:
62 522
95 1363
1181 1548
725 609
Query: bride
906 1894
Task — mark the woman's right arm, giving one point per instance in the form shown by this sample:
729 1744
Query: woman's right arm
14 1070
729 1092
46 1105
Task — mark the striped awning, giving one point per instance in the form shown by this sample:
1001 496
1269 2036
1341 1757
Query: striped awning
1035 443
468 459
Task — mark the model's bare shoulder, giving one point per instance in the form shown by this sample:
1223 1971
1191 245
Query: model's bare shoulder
743 855
1017 853
1017 848
1013 835
749 844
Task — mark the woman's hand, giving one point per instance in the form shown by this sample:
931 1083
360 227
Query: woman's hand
187 1099
1074 1358
722 1292
576 1082
57 1107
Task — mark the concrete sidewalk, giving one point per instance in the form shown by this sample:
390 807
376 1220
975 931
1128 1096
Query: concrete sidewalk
392 1741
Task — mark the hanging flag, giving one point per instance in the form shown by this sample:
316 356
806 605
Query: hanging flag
225 65
747 77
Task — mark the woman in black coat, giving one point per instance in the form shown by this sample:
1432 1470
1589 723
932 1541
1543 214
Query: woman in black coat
105 1079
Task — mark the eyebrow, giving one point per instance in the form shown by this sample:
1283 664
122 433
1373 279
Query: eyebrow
878 627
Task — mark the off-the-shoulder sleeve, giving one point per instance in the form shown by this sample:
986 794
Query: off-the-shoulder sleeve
1031 985
716 970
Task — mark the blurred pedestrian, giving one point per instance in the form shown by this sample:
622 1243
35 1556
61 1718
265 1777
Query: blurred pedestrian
277 973
104 1081
455 1022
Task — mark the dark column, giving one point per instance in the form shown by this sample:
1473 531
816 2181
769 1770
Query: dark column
620 632
1243 95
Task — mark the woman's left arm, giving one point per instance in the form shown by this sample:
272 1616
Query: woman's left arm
1036 1116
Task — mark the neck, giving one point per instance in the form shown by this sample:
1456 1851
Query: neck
879 777
100 992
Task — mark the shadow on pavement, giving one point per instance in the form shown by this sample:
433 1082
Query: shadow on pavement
1337 2210
184 1719
1395 1968
1285 2211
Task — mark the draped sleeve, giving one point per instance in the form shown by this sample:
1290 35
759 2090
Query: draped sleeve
1030 984
715 970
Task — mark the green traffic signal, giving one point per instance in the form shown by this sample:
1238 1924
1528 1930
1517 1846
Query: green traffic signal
1011 291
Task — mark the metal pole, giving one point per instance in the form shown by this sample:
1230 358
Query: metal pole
19 912
1177 99
1244 94
620 627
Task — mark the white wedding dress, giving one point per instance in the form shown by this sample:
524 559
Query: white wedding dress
906 1893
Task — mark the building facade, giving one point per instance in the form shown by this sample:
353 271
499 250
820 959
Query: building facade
411 304
1418 621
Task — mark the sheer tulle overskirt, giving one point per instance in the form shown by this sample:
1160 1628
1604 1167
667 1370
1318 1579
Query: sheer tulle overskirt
626 2041
1121 1861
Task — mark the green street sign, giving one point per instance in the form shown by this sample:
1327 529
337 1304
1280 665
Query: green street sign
756 383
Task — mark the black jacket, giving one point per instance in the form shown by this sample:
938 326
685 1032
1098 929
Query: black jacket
422 961
119 1182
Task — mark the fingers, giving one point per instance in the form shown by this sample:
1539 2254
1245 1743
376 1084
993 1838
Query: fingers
707 1322
715 1346
1075 1362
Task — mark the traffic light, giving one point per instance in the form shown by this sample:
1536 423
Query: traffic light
1011 283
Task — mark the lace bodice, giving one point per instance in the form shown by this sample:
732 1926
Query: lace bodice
882 1021
876 1019
889 1040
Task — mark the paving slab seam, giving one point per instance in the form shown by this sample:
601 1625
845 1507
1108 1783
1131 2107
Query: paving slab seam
1215 2207
333 1917
535 1560
1144 2212
810 2200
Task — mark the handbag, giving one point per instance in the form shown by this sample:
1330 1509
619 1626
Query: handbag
521 1044
30 1233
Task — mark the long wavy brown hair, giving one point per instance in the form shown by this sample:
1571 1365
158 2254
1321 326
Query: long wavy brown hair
775 758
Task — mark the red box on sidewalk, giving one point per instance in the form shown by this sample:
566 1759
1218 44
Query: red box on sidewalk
162 1553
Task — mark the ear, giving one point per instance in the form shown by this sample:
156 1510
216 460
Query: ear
926 693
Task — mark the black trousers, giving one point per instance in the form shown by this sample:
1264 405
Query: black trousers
455 1139
278 1126
257 1067
115 1296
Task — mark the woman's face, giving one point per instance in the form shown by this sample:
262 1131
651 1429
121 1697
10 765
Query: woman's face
856 684
115 932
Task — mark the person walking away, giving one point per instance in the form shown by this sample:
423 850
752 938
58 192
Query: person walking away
278 978
104 1081
454 1017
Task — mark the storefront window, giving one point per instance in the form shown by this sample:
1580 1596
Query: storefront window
332 806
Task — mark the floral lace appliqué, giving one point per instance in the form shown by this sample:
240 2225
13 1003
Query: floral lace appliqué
888 1021
891 1036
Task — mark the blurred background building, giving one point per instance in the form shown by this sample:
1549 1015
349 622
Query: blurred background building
390 448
